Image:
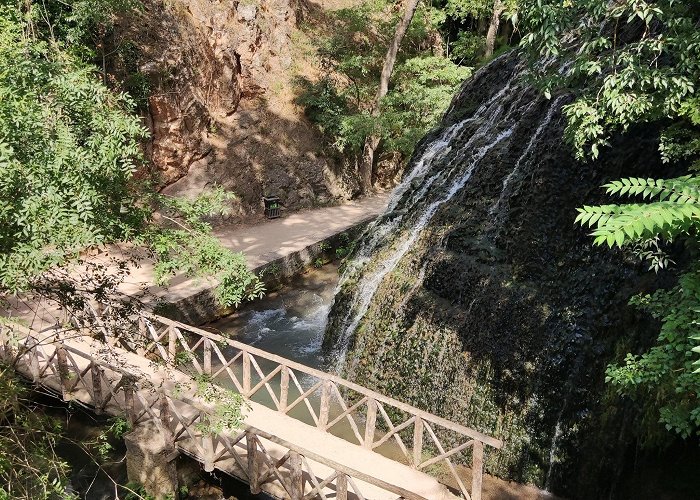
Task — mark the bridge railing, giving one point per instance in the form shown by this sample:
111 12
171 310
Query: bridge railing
364 417
110 388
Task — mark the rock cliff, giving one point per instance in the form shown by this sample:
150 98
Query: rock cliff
477 298
217 82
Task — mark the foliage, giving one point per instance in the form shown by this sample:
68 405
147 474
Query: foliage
631 61
340 102
68 149
666 372
467 47
228 413
29 468
674 211
188 246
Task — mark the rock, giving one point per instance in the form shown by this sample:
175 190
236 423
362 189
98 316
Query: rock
221 110
501 315
247 12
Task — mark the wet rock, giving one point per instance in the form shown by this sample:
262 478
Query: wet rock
498 312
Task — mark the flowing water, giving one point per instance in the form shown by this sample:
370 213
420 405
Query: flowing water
289 323
439 172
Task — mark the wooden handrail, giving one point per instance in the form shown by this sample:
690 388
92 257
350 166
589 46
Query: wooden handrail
484 438
160 397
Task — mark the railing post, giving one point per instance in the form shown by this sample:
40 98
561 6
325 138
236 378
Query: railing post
253 465
63 371
32 347
172 344
417 442
96 387
325 405
208 445
284 389
246 374
142 341
341 486
371 423
207 357
164 409
4 343
296 477
477 469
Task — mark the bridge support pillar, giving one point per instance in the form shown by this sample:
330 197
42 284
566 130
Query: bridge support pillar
150 460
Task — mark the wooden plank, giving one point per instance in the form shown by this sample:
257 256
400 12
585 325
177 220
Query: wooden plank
246 374
63 369
477 469
296 476
97 398
207 357
172 344
370 424
417 443
284 389
253 463
325 405
129 405
341 487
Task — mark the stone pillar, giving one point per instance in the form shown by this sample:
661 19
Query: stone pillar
150 460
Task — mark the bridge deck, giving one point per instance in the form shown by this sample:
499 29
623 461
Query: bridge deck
279 429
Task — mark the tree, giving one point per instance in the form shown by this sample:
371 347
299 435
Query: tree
631 62
487 12
498 8
342 102
71 177
69 151
372 141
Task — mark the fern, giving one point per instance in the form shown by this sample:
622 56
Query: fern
675 211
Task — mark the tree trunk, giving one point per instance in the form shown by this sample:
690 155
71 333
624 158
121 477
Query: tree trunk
371 143
498 9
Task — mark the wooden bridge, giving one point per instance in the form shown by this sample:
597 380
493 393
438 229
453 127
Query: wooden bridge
306 434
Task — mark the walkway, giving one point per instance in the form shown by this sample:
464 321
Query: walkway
331 450
291 235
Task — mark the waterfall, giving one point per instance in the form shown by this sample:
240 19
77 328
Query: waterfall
422 192
506 190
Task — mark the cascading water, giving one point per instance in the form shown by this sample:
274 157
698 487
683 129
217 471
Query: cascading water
434 190
474 296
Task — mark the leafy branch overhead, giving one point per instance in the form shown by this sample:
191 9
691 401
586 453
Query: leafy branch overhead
674 211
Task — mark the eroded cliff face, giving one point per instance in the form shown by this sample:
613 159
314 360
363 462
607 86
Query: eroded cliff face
477 298
219 82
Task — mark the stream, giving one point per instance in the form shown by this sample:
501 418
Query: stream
289 322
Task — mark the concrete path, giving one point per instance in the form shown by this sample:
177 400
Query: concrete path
262 244
290 235
278 238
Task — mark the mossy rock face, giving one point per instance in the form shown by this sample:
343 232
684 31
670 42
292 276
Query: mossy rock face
501 315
